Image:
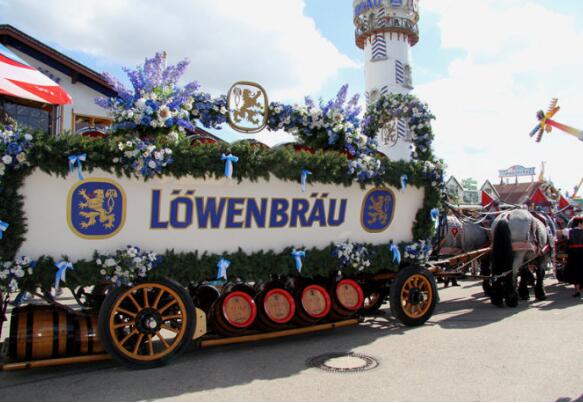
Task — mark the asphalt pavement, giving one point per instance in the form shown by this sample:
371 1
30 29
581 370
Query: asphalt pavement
468 351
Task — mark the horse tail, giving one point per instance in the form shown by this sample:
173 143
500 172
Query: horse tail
502 255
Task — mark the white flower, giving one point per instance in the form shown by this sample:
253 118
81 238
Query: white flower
21 157
4 274
129 144
164 112
99 262
7 159
109 262
103 272
152 164
140 104
157 155
13 285
28 137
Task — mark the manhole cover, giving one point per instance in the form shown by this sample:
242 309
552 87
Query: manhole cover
343 362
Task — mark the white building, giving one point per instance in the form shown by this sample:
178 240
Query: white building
386 30
82 83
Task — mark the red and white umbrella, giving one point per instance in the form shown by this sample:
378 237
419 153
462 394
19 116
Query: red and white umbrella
20 79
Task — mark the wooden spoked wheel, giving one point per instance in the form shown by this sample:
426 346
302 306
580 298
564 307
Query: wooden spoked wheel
413 296
416 295
148 324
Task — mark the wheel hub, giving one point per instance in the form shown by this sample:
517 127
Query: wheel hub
416 296
148 321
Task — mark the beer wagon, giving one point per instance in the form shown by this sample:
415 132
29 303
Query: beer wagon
166 240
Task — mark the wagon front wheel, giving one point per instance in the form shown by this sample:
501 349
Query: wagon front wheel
413 296
148 324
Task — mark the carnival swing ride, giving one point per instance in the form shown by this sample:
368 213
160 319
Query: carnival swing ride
546 123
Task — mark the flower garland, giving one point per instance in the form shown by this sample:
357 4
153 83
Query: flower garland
14 273
144 158
15 143
408 108
418 251
353 255
126 266
330 125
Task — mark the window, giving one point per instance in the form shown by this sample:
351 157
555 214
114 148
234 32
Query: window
396 3
93 126
29 114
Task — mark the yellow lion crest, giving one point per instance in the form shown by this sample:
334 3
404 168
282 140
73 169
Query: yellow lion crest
96 203
377 212
247 110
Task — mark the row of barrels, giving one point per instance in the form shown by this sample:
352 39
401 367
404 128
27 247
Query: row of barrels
274 305
49 331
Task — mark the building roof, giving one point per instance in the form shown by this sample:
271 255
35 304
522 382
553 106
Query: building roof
34 48
517 193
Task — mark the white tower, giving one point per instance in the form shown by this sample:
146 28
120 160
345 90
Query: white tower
386 30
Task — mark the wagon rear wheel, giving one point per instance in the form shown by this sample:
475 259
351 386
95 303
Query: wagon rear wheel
413 296
148 324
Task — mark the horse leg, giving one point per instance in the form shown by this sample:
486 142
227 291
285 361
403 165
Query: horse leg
539 289
511 296
485 271
523 285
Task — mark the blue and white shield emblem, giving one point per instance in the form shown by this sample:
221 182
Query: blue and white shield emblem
378 207
96 208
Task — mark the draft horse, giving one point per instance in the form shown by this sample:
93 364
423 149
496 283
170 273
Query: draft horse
519 238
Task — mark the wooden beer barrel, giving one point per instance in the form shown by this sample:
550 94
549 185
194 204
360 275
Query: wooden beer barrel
313 303
45 331
347 298
276 307
204 296
235 311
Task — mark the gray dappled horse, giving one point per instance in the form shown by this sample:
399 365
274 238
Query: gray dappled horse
463 236
518 237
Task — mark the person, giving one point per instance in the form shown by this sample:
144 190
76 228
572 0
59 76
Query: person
574 267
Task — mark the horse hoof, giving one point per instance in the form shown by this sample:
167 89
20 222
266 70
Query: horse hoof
524 295
512 301
540 296
497 301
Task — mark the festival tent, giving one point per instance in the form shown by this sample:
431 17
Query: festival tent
19 79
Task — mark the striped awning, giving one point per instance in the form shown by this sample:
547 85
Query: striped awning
19 79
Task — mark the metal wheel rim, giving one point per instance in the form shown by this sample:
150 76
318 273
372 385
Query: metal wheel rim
423 285
139 345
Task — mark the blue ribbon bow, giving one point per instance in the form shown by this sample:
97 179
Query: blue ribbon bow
434 213
77 159
298 255
396 252
404 179
3 227
229 159
304 178
222 268
61 275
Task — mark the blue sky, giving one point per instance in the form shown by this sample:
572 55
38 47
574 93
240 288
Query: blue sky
484 66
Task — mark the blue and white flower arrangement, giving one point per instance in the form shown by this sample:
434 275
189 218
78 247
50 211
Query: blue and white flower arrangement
127 266
352 255
15 143
403 107
365 167
13 273
144 159
156 102
418 251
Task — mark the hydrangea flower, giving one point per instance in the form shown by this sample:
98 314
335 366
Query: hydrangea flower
126 266
352 255
15 143
14 273
142 157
